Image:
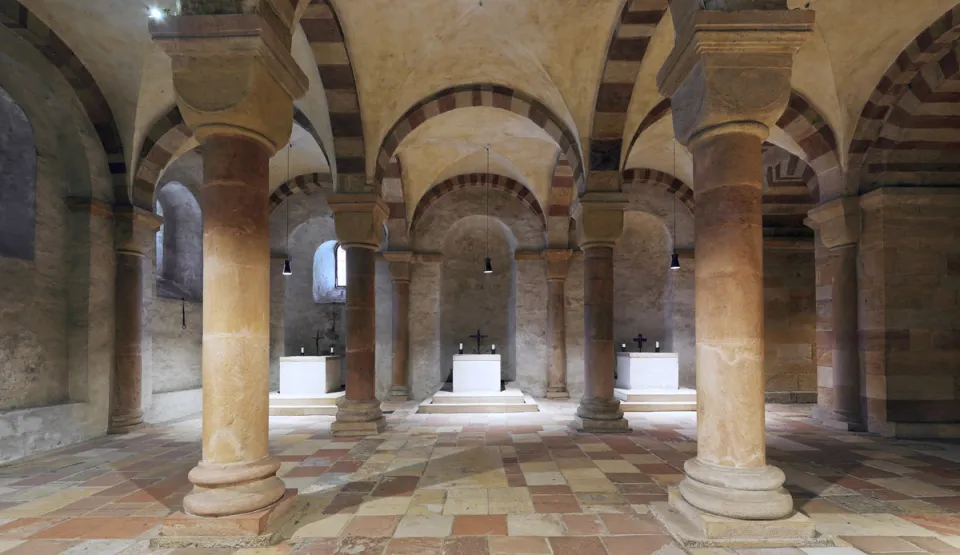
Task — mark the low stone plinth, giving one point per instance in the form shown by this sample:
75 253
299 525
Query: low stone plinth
298 405
509 400
656 400
256 529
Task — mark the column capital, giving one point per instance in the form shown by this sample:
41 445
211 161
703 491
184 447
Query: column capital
358 219
599 218
837 221
558 263
399 264
731 70
232 74
134 229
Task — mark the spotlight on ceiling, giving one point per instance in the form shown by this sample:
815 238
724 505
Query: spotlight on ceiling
155 13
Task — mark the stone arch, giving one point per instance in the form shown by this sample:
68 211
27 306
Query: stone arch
801 122
496 182
325 34
790 191
19 19
662 181
307 184
930 46
166 138
628 46
179 243
18 181
477 95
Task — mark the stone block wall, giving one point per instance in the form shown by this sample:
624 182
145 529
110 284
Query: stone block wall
823 353
641 282
531 326
573 291
790 324
909 309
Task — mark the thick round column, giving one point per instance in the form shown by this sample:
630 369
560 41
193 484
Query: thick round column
400 391
237 474
556 338
361 325
126 410
599 411
846 355
730 476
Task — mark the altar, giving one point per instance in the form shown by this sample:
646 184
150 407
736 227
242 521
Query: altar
305 376
476 373
648 371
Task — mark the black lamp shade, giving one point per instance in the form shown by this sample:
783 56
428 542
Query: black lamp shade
675 261
286 268
487 265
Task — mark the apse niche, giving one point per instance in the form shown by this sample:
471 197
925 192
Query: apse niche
18 175
472 300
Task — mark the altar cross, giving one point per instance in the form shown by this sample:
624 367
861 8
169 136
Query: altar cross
479 337
640 340
317 340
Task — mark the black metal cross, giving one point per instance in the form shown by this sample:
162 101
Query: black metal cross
479 337
640 340
317 340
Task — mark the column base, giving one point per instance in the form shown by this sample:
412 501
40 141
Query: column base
358 419
600 416
692 528
223 490
399 393
125 423
837 420
557 393
256 529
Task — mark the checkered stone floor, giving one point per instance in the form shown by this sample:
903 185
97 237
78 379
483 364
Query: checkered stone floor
485 484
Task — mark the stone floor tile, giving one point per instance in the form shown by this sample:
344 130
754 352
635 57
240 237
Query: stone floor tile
384 506
617 467
933 545
426 526
941 524
555 504
830 551
466 546
880 544
415 546
316 546
913 487
637 545
362 546
480 525
544 479
535 525
99 547
519 546
583 525
631 524
371 526
41 547
576 546
509 501
466 501
323 526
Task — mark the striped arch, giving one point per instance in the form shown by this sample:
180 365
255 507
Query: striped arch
28 26
801 122
563 189
325 34
496 182
628 45
891 112
165 138
662 181
307 184
492 96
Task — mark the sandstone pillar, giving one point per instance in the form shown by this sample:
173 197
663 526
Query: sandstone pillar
358 219
600 223
240 128
134 232
838 224
729 79
558 263
400 274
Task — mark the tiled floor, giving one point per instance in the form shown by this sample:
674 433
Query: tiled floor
518 484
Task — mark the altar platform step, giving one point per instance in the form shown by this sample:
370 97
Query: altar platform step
509 400
656 400
296 405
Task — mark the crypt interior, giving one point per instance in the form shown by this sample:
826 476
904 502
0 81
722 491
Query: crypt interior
479 277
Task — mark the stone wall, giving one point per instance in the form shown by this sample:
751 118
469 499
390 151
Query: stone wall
384 311
176 352
573 291
425 364
823 355
641 282
790 324
909 319
531 326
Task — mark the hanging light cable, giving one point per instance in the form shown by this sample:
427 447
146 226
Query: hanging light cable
675 258
487 263
286 263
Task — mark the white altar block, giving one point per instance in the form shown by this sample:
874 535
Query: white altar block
306 376
648 371
472 373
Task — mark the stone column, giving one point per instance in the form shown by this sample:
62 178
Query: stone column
400 274
558 263
278 298
600 223
729 79
358 219
838 224
134 233
240 128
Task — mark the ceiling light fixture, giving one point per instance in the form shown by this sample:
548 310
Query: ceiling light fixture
286 263
155 13
487 263
675 258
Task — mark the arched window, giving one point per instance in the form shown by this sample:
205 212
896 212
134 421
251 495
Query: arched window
18 179
341 265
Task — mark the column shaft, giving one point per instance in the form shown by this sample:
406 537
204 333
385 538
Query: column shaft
401 340
361 325
126 411
846 354
237 473
557 341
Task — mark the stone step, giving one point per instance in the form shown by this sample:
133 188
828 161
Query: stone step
656 396
452 408
303 410
658 406
326 400
455 399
